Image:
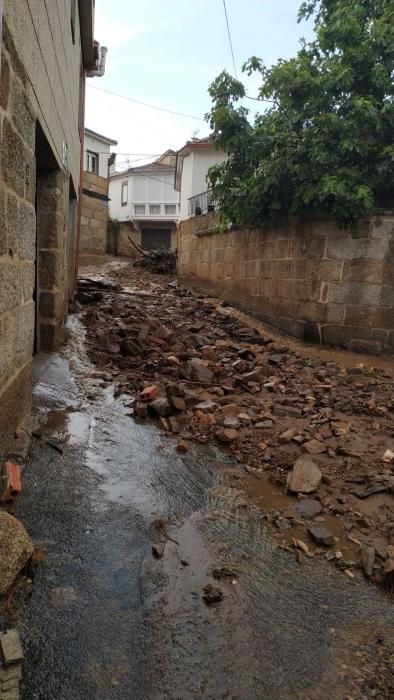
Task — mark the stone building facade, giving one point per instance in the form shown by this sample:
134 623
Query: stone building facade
309 279
95 213
45 50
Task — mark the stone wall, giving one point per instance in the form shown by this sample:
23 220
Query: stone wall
17 243
53 284
35 229
94 215
309 279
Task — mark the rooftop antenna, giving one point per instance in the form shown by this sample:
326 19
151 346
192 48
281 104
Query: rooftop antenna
195 134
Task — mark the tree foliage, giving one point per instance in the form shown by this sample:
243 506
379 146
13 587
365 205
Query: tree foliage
325 145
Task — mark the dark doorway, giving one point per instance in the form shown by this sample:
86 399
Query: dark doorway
155 238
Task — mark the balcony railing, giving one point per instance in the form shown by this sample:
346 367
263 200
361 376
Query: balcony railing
201 203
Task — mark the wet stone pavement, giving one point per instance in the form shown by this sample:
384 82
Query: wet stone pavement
107 620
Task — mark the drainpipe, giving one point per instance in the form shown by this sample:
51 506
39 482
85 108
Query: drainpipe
80 190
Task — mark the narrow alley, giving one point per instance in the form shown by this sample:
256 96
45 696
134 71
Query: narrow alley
105 618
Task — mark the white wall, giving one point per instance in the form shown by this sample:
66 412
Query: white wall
153 187
103 149
194 175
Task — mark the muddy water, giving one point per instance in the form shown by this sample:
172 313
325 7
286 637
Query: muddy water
106 620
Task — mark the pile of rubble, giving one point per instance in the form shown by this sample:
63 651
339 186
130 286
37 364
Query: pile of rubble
316 429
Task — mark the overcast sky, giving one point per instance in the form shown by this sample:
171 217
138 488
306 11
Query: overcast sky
167 53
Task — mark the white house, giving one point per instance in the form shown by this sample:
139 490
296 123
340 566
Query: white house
144 197
192 164
97 156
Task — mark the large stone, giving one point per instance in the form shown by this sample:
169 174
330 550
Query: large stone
305 477
11 647
308 507
314 447
16 549
199 372
161 407
367 556
321 535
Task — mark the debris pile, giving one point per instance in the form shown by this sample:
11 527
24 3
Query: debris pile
316 429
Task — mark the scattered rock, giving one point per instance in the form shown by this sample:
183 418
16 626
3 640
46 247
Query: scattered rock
161 407
224 572
182 447
149 393
199 372
231 423
16 548
227 435
305 477
369 489
158 550
140 410
206 406
287 436
11 648
388 456
212 594
309 508
367 556
321 535
314 447
230 410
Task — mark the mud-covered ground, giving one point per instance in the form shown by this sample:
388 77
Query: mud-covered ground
106 619
221 379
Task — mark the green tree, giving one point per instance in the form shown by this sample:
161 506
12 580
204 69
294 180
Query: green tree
325 144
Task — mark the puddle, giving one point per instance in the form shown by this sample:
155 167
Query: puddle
269 497
373 503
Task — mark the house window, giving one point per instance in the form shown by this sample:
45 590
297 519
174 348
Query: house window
170 208
139 208
73 10
154 209
124 193
92 162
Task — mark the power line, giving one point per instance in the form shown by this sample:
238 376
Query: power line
146 104
229 37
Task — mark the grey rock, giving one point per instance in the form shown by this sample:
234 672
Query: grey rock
264 425
321 535
367 555
305 477
11 647
309 507
206 406
161 407
199 372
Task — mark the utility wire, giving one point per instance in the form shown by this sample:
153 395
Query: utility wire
229 37
146 104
